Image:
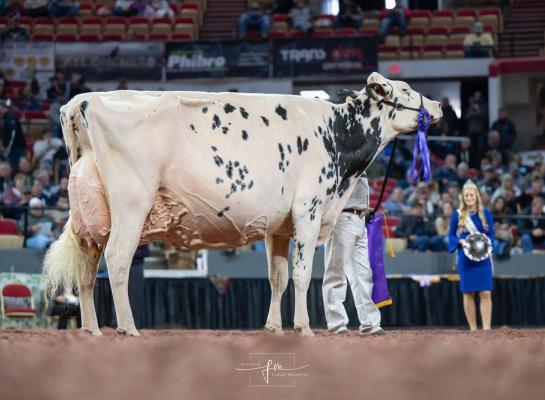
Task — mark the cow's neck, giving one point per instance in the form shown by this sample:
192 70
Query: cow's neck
357 128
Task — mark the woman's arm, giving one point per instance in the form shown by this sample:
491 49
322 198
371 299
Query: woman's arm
453 238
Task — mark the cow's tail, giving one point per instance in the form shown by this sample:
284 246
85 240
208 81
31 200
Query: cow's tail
69 262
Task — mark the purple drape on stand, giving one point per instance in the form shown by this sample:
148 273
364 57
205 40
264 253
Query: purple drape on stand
381 295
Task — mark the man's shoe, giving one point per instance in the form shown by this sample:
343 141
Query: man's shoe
339 331
373 332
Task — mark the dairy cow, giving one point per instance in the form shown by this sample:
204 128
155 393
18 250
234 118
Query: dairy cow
215 170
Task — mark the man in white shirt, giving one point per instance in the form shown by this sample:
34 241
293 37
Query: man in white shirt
347 256
45 148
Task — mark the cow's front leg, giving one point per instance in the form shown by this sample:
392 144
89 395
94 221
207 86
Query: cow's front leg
277 255
306 234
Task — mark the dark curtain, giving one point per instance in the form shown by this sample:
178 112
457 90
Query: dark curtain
199 304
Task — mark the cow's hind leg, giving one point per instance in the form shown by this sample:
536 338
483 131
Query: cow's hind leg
86 299
305 237
277 255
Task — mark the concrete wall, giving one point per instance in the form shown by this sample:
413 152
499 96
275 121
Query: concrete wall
254 265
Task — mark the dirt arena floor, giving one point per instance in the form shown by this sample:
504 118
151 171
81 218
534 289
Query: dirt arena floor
187 364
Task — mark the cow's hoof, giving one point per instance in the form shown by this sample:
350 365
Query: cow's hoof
94 332
128 332
274 330
304 331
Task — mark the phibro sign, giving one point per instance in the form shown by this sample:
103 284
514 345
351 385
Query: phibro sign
324 56
217 59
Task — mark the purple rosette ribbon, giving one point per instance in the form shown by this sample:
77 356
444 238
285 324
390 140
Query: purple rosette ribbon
421 145
381 295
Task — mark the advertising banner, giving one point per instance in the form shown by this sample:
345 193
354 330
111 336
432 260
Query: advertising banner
324 56
111 60
21 61
217 59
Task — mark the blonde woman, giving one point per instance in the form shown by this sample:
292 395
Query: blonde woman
475 276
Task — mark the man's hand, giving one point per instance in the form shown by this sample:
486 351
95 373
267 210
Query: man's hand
538 232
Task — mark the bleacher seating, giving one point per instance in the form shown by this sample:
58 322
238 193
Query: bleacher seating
446 28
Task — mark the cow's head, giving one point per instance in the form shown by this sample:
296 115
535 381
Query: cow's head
398 105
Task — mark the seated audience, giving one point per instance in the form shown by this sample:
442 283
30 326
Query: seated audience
158 9
439 242
502 228
254 19
417 229
63 8
508 190
506 128
478 43
395 204
532 230
396 17
41 227
300 16
36 8
15 32
128 8
45 148
350 15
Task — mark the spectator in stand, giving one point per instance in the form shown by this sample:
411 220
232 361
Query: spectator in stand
41 227
63 8
55 115
439 242
502 228
506 128
532 230
45 148
395 204
60 215
467 154
49 191
13 143
15 32
524 200
478 43
417 229
57 87
128 8
36 8
490 181
449 116
350 15
462 173
254 19
494 145
442 148
17 196
36 190
476 120
421 195
31 100
158 9
63 187
508 190
448 172
5 176
24 166
395 17
301 16
78 88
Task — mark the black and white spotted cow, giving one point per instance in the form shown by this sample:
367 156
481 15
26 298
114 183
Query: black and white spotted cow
216 170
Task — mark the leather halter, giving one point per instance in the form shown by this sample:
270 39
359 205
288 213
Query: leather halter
397 106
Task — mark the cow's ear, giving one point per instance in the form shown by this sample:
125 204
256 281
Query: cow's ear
379 85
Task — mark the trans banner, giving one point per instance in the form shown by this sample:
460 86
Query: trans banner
218 59
310 57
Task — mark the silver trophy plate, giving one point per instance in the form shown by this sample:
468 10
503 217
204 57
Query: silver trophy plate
477 247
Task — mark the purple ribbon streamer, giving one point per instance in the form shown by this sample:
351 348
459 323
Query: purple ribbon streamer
376 259
421 145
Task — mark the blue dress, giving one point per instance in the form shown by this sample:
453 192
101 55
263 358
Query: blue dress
475 276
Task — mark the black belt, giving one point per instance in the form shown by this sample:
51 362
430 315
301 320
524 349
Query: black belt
359 213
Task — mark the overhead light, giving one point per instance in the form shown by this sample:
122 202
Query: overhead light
320 94
390 4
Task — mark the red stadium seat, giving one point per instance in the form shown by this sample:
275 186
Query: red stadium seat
8 227
345 32
278 35
158 37
113 37
66 37
297 33
68 25
20 291
369 32
252 35
181 37
323 33
43 38
87 37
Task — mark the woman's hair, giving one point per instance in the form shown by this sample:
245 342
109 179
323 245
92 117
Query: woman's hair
503 208
464 211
